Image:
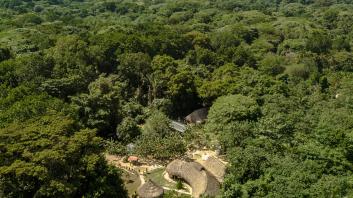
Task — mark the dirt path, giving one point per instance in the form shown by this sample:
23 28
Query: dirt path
179 191
118 162
142 179
140 170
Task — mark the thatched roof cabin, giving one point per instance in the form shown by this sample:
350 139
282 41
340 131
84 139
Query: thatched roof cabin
201 182
197 116
150 190
215 167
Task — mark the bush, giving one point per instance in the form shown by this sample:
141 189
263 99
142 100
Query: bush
135 111
127 130
38 8
293 9
298 70
4 54
157 147
179 17
174 194
318 42
125 159
179 185
163 105
272 64
28 19
157 123
115 148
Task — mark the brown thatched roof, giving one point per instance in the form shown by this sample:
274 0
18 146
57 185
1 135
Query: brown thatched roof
213 186
150 190
197 116
193 173
215 167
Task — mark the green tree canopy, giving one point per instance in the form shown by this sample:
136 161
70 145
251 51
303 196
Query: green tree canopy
47 157
101 107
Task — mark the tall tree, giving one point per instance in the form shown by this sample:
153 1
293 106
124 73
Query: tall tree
101 107
48 157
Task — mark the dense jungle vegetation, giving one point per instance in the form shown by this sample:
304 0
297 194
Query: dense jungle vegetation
78 77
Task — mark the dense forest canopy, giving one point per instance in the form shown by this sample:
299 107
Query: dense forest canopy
81 76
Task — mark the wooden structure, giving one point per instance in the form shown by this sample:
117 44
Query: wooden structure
201 182
197 116
215 167
133 160
150 190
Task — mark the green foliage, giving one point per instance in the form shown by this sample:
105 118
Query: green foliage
115 148
158 140
34 164
27 69
4 54
70 56
134 110
272 64
285 136
222 82
319 42
293 9
341 61
127 130
174 194
162 105
343 23
298 70
135 67
179 185
29 18
21 103
228 79
227 109
182 90
100 108
157 147
276 73
164 67
157 124
72 69
230 119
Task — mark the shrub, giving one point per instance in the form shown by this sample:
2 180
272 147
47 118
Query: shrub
160 148
179 185
127 130
115 148
298 70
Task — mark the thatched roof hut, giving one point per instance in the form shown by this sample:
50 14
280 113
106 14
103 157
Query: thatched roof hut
197 116
201 182
215 167
150 190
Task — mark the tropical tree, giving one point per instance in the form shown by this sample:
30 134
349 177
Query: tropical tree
34 164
